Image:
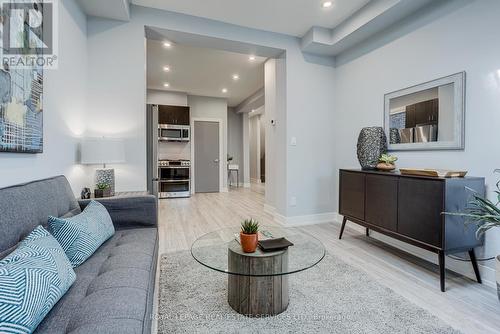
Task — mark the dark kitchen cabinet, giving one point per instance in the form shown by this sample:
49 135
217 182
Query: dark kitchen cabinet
410 116
176 115
422 113
410 209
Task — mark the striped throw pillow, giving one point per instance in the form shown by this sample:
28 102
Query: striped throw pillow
81 235
32 279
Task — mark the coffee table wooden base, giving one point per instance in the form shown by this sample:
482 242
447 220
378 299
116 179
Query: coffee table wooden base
257 296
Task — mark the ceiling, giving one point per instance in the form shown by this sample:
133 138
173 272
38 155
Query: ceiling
203 71
325 32
291 17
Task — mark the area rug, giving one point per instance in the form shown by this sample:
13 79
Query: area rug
332 297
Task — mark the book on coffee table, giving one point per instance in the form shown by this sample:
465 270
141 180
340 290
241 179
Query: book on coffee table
270 245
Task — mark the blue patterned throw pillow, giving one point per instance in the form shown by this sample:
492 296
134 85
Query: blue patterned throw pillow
32 279
81 235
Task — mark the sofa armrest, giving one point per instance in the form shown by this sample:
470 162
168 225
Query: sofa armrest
129 211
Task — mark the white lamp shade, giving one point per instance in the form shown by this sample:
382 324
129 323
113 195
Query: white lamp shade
97 151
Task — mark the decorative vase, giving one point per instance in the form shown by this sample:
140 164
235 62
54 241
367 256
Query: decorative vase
100 193
384 166
497 260
248 242
106 176
394 137
372 143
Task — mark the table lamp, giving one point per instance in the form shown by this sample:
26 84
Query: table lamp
102 151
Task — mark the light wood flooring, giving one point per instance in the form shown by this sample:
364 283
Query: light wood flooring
466 305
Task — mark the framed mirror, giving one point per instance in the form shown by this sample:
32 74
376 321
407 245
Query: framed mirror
429 116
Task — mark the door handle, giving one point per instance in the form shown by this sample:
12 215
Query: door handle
216 161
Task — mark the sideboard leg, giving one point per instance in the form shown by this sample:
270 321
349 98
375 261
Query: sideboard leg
442 269
367 232
473 260
342 227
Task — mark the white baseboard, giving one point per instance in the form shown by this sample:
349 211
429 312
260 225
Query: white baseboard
224 190
488 275
246 185
252 180
293 221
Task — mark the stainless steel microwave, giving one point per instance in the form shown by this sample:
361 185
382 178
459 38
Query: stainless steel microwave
170 132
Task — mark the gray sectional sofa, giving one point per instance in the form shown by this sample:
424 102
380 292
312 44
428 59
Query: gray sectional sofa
113 291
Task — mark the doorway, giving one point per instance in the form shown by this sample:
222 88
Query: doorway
207 158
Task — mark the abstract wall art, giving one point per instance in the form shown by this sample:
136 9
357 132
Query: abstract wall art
21 110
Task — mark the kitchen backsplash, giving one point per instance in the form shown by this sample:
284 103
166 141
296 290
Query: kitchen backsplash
174 151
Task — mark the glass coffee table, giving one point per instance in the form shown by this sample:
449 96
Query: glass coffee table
258 282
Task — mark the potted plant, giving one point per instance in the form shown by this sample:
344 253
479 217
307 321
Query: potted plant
386 162
102 190
486 215
248 235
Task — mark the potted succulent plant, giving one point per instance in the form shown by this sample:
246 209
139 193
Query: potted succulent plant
248 235
486 215
102 190
386 162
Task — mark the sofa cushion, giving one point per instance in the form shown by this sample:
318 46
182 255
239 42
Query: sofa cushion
113 289
82 234
32 279
23 207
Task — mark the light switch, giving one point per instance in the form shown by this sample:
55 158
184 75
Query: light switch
293 141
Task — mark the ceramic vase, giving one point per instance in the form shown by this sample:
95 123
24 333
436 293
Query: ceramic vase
394 137
372 143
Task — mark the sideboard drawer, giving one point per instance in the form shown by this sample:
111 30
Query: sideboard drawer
352 195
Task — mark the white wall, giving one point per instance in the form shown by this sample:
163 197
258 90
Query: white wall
460 41
64 111
164 97
118 91
262 143
235 140
211 108
254 143
446 109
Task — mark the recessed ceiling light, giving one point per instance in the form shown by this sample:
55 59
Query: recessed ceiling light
251 58
167 44
166 84
224 90
327 4
253 110
166 68
236 76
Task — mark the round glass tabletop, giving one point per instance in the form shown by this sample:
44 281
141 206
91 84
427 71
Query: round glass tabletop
220 250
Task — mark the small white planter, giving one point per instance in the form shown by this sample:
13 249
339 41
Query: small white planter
497 260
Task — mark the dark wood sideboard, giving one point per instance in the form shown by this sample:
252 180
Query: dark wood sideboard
409 208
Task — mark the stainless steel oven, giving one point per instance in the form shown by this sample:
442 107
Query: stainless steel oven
174 178
169 132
